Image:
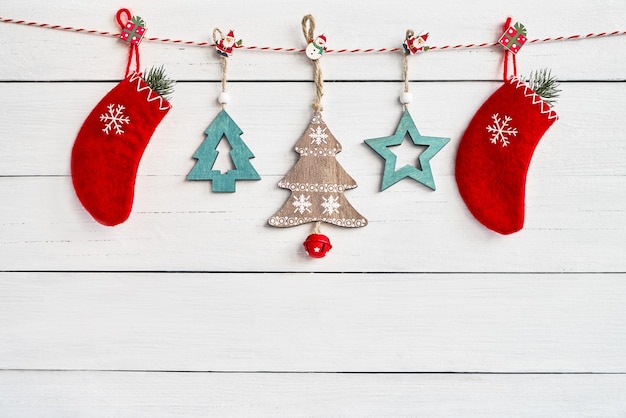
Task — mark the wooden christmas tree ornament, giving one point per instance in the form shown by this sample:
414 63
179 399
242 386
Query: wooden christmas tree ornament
317 181
223 128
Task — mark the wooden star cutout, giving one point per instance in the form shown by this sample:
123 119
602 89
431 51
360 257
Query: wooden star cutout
407 127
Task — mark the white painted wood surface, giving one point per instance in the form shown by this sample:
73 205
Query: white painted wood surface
195 307
314 322
106 394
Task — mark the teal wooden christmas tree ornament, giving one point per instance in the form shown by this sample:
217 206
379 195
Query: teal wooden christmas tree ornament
223 126
405 128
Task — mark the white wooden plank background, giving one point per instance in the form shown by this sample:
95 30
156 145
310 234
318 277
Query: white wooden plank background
196 307
54 394
314 322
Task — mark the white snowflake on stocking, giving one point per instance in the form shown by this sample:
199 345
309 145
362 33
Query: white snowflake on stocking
318 136
114 119
302 204
501 130
331 205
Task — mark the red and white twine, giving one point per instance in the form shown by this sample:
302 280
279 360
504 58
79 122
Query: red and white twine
329 51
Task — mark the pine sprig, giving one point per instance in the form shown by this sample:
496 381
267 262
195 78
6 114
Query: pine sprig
158 81
545 85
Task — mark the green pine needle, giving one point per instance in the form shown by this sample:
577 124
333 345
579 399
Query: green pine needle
158 81
545 85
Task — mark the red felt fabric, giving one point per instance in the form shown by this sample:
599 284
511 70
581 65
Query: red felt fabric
491 177
104 164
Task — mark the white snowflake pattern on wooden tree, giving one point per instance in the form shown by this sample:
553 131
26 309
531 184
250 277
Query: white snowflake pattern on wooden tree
302 204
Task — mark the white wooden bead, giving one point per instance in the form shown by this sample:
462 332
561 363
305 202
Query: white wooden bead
223 98
406 97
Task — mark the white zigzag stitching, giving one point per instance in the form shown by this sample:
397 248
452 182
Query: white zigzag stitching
151 95
545 109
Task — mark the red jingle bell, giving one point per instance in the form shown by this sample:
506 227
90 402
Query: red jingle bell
317 245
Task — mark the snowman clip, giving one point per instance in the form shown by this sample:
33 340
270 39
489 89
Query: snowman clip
316 47
414 44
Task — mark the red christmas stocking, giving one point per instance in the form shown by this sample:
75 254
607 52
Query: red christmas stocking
495 152
109 146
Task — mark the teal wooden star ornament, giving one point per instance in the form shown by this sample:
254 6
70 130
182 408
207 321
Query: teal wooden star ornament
407 127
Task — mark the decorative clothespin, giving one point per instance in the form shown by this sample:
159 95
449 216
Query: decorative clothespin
316 47
225 44
514 38
134 29
414 44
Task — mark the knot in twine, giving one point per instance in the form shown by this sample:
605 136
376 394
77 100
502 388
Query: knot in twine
308 29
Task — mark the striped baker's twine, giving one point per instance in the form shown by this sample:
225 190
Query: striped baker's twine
329 51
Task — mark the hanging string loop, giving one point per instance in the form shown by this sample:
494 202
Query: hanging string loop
508 54
308 30
133 50
218 38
